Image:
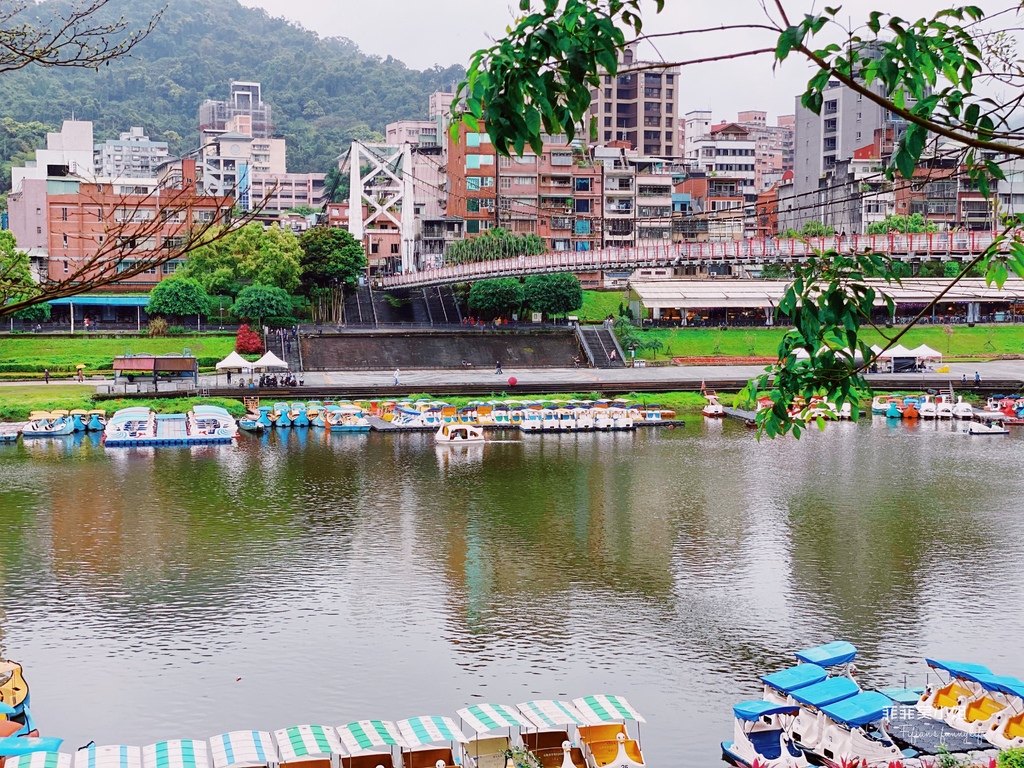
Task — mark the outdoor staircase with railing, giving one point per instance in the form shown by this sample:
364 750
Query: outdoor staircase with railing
601 346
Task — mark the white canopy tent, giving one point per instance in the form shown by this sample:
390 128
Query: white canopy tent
269 360
898 351
924 352
234 362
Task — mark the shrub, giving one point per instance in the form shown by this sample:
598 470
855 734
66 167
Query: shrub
1011 758
176 330
248 342
157 327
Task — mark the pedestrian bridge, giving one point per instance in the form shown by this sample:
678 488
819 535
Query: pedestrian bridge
923 247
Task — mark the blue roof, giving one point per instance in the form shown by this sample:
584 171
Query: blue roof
102 301
959 668
800 676
906 696
752 710
826 692
1009 685
864 708
830 654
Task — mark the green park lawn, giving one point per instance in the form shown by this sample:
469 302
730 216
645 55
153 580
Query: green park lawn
978 342
28 353
597 305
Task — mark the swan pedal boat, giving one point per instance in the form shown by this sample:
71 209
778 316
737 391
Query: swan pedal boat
458 434
713 409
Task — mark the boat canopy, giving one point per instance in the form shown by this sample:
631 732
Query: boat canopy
958 668
490 717
906 696
549 713
859 710
800 676
6 709
307 742
826 692
1009 685
108 756
370 734
242 749
12 746
40 760
178 753
757 708
430 729
828 655
603 708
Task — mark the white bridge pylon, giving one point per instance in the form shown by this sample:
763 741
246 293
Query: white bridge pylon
379 185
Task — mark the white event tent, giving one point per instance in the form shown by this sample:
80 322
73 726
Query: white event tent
269 360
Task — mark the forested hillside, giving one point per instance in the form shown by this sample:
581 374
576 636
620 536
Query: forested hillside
324 92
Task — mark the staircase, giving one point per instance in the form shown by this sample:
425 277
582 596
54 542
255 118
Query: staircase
359 308
287 350
599 343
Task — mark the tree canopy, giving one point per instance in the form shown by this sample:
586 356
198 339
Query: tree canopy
496 243
178 297
538 79
259 302
904 224
332 259
496 298
557 294
250 255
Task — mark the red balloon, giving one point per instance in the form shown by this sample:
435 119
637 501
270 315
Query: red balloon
512 381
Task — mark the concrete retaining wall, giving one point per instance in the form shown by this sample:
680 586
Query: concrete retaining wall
432 349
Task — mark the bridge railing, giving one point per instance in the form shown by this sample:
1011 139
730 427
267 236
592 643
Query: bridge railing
671 254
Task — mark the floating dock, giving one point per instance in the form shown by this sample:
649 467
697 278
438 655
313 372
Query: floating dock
171 429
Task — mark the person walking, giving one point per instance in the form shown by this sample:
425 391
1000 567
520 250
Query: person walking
81 375
46 375
497 367
397 374
229 377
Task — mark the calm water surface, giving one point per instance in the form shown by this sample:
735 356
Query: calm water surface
305 578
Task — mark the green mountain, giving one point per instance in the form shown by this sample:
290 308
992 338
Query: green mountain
324 91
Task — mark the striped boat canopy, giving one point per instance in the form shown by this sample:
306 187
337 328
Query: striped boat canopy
370 734
430 729
603 708
39 760
180 753
489 717
548 713
242 749
109 756
307 742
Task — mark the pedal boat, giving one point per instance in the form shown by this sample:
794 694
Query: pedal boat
458 434
550 744
423 735
713 409
760 737
370 743
984 711
485 749
308 746
854 731
606 742
938 700
1006 728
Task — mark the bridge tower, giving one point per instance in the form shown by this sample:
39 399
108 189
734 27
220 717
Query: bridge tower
381 180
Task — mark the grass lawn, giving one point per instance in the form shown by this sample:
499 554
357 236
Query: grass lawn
980 341
31 353
18 401
597 305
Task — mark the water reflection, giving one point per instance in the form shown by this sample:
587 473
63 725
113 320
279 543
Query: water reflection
307 576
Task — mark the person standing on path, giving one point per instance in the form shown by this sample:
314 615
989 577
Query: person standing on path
977 378
397 374
46 375
81 376
497 367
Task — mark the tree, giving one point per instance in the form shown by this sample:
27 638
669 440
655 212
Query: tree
247 341
809 229
74 36
496 243
557 294
250 255
538 79
178 297
914 223
258 302
332 260
496 298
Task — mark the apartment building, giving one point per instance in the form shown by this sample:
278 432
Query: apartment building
638 196
84 216
415 132
639 107
718 209
245 99
472 168
133 155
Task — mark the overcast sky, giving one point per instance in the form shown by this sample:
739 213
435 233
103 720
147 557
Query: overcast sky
423 33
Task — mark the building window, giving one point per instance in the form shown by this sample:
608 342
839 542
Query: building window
670 78
374 247
39 230
668 93
506 182
65 266
472 183
63 214
394 248
65 241
607 79
607 106
473 205
487 181
583 206
607 135
607 93
582 185
608 122
473 227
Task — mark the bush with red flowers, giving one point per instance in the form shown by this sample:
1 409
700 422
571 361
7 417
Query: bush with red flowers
248 342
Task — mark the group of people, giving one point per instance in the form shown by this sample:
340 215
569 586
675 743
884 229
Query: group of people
288 379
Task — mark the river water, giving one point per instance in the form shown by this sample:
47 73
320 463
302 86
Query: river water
298 578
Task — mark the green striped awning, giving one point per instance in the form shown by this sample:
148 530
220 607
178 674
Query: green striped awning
490 717
603 708
307 742
109 756
242 749
549 713
430 729
179 753
39 760
370 734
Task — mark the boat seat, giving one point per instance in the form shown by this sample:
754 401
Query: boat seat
1014 728
605 732
369 760
496 745
491 760
605 752
766 744
982 709
545 740
949 696
428 758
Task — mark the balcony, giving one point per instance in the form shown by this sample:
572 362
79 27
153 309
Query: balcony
561 222
619 209
626 94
